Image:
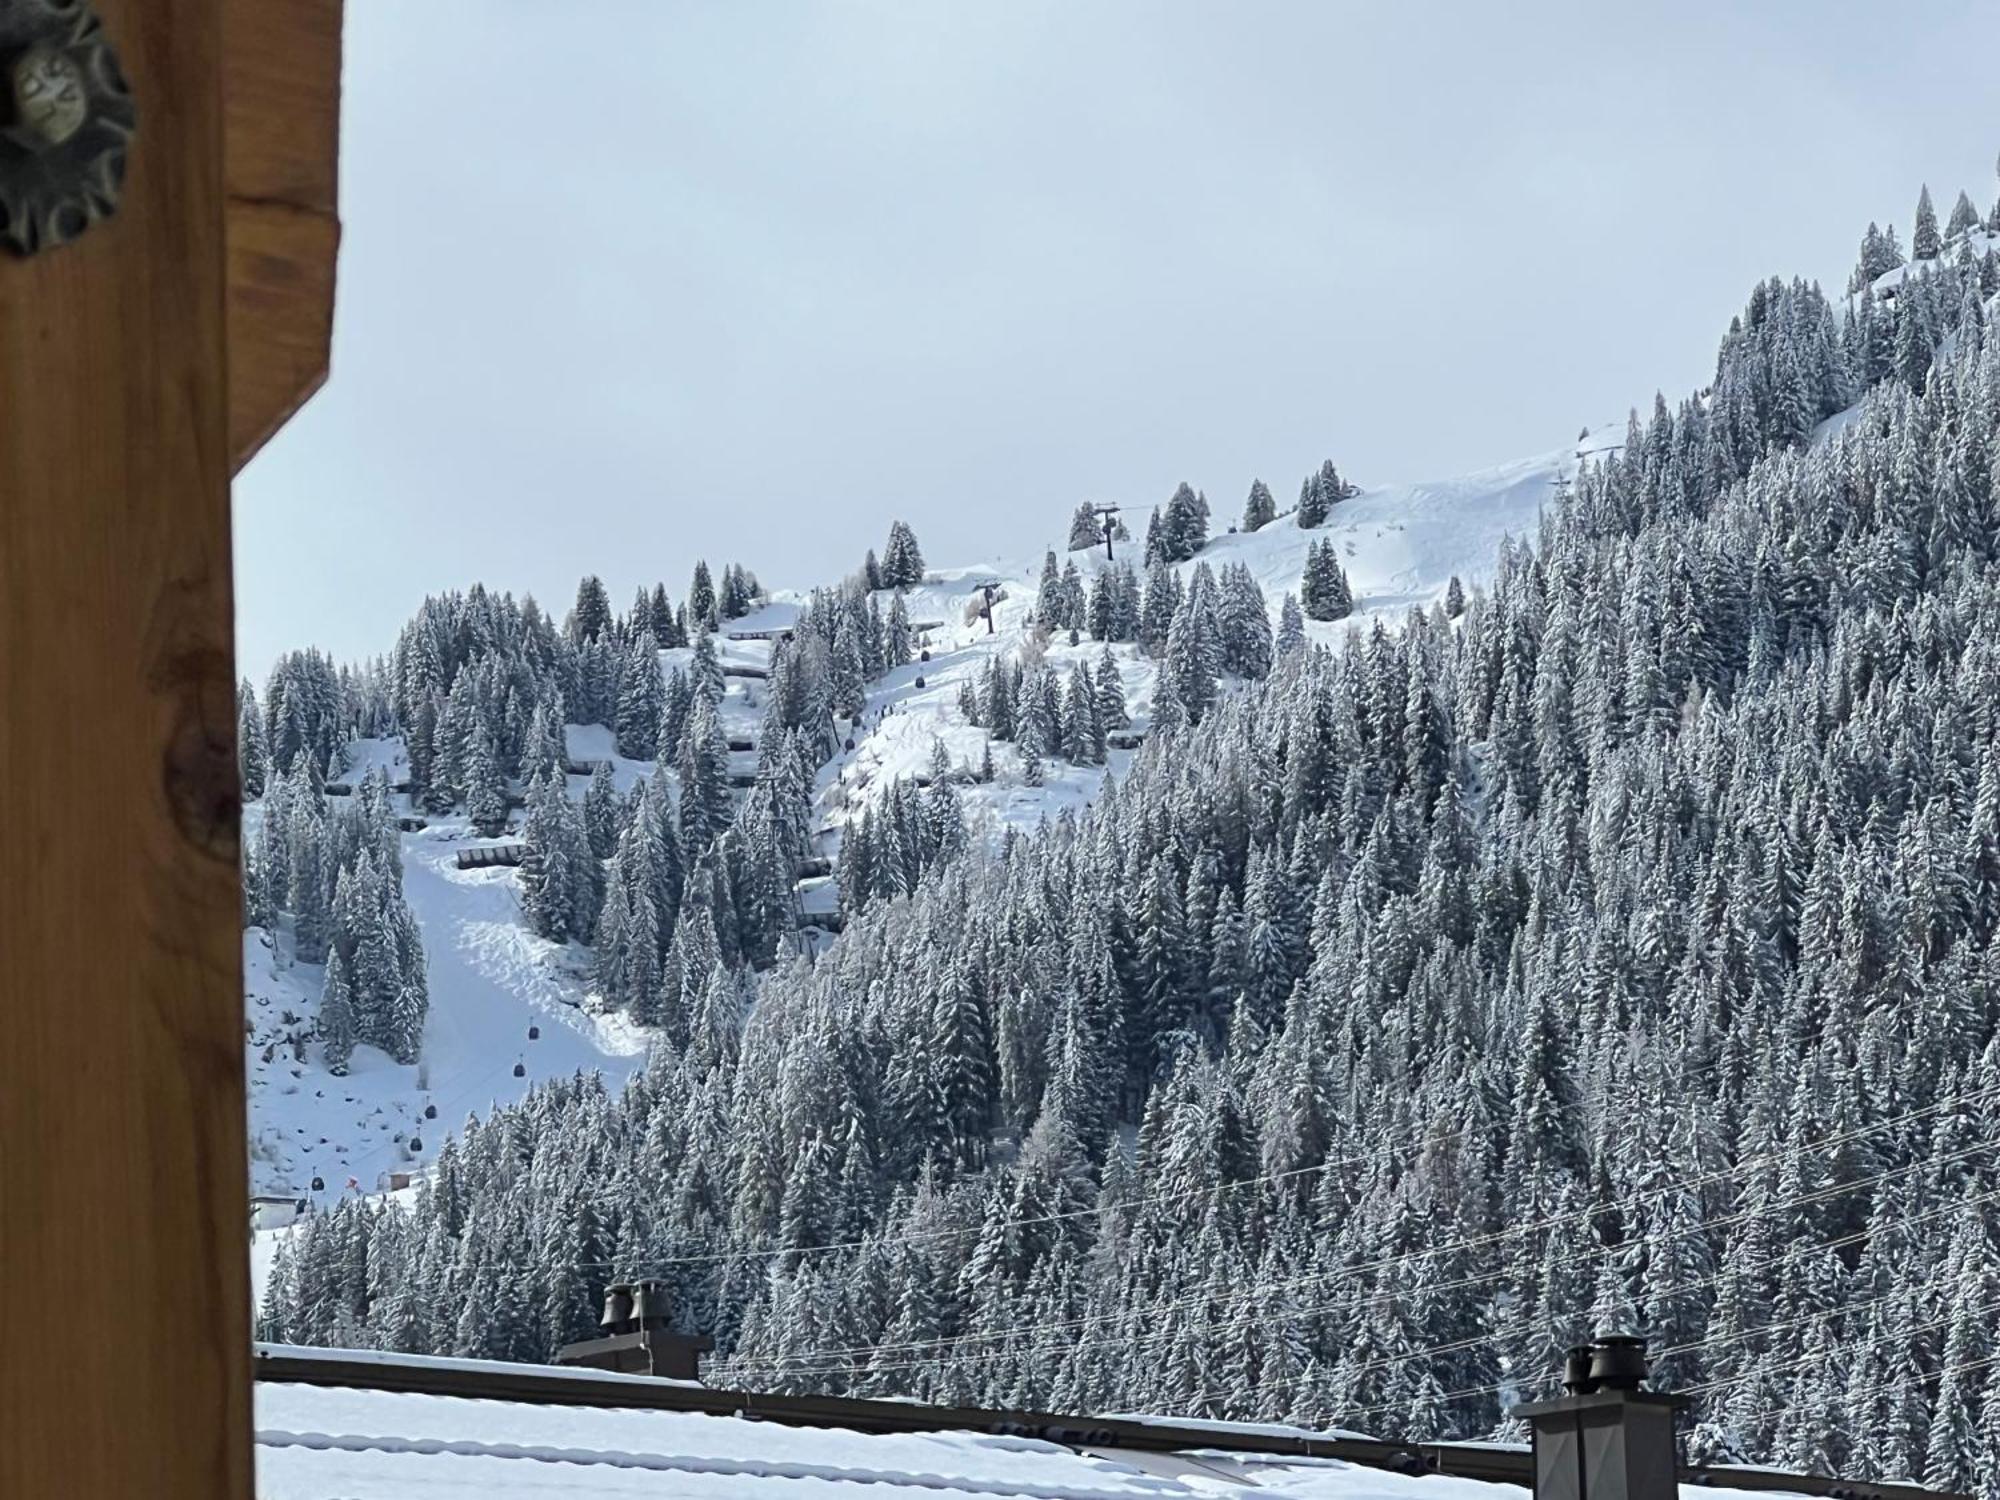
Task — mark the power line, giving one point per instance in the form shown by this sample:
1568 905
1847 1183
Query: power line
1774 1413
1342 1274
948 1347
1723 1340
1708 1387
773 1252
1497 1387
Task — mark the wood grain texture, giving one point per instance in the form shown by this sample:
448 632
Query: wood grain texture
281 168
124 1366
281 96
281 268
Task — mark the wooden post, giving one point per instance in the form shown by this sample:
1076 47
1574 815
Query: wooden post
123 1269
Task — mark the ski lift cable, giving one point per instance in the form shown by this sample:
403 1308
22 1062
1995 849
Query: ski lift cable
790 1365
387 1148
958 1231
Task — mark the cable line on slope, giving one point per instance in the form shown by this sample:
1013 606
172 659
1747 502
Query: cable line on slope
789 1365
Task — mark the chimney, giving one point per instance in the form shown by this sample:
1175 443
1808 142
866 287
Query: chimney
1606 1437
635 1336
617 1309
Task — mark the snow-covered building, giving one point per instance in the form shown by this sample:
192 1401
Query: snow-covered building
339 1425
275 1210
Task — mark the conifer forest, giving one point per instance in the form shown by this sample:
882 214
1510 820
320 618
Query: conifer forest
1612 943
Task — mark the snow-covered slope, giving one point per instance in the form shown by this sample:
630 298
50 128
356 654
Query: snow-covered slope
1400 545
500 997
492 981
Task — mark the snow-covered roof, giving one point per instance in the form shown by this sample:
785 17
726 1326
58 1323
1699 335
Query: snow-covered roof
328 1443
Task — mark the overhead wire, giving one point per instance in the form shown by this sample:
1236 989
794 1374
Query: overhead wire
791 1365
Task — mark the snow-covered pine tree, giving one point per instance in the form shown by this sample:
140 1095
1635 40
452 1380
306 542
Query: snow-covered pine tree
1194 654
560 875
1243 624
591 618
1963 217
902 558
1083 728
737 594
898 646
1331 486
1050 610
1162 600
1323 591
701 600
1925 243
1314 503
305 886
1111 710
336 1017
1291 633
1074 603
1260 509
847 674
542 748
704 773
253 758
1183 525
641 698
705 677
485 786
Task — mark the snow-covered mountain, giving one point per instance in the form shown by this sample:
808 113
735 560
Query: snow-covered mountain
509 1010
1610 947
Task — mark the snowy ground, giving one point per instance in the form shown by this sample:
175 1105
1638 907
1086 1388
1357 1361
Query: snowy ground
490 979
1400 546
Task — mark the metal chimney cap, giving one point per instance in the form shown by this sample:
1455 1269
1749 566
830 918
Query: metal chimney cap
1618 1362
1576 1371
617 1306
652 1303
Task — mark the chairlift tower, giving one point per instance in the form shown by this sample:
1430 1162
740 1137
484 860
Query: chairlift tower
1104 514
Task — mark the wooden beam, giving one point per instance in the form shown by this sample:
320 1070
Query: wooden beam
281 164
281 61
123 1267
281 262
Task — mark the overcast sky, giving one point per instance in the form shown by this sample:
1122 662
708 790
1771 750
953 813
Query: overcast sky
625 285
